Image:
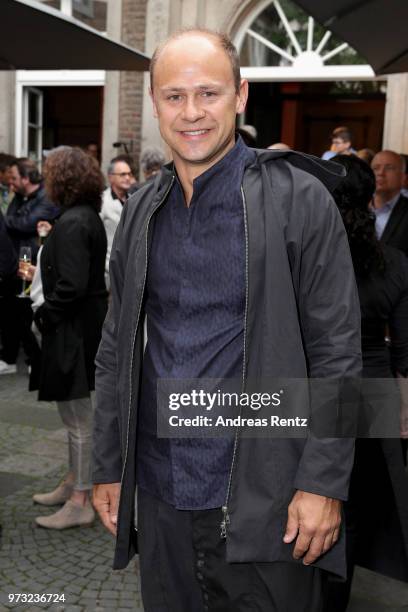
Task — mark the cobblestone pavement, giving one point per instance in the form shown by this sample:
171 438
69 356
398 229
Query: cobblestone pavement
76 562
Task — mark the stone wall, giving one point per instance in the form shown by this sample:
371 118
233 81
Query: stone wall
98 21
131 83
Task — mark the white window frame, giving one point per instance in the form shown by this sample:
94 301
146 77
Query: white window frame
296 72
38 125
48 78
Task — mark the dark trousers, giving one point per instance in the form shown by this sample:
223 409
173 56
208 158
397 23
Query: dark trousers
15 324
183 568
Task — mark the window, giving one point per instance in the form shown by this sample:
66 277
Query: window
32 123
85 7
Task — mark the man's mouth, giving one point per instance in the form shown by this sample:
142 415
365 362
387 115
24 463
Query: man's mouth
194 133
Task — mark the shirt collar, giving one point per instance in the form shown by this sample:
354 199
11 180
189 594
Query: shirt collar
388 206
394 200
33 194
116 197
240 152
239 155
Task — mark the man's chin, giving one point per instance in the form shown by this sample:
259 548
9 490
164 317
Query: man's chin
202 156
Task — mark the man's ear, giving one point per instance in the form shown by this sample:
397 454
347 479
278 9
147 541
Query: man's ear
242 96
155 113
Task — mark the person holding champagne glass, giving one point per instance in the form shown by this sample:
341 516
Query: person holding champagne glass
24 267
70 321
29 205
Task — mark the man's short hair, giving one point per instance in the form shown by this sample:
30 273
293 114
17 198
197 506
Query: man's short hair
120 158
27 169
222 39
342 132
151 159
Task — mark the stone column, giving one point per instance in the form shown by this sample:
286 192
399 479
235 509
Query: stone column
157 29
396 114
131 82
111 92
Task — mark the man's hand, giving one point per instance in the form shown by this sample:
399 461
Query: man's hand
26 271
105 500
43 228
315 520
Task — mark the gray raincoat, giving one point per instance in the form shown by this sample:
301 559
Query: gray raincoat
302 319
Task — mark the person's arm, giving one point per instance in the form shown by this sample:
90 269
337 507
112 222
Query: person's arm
72 252
27 224
330 318
107 457
399 344
8 256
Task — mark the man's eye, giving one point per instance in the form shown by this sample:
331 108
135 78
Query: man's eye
174 97
208 94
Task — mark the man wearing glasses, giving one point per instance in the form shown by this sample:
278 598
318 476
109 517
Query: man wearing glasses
120 178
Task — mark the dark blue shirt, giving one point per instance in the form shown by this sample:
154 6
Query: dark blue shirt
195 326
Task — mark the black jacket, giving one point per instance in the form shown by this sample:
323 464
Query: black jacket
395 233
379 486
8 256
71 318
23 215
302 319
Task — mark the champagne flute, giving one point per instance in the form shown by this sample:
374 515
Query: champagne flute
24 265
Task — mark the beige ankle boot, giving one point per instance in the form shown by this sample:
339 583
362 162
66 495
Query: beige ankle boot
59 496
70 515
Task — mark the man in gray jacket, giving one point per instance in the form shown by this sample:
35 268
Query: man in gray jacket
239 261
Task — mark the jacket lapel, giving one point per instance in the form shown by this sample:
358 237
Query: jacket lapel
395 218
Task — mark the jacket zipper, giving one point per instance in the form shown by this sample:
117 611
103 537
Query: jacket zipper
225 516
135 331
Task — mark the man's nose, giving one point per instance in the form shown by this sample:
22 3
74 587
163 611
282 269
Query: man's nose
192 109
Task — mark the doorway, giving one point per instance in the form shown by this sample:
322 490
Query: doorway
72 116
303 115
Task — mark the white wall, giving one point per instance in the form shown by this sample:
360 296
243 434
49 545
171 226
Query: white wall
396 114
7 94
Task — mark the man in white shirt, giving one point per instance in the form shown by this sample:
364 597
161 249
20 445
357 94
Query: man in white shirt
120 178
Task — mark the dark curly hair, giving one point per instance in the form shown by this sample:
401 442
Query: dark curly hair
353 196
73 177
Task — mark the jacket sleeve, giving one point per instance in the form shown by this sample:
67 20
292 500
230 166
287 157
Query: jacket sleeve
330 320
399 322
72 252
8 257
27 223
107 458
110 219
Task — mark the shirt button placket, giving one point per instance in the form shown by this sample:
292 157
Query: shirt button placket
200 563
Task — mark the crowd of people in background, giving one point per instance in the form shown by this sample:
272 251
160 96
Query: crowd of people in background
24 203
56 234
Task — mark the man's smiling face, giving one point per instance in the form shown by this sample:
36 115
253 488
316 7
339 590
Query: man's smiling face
195 100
